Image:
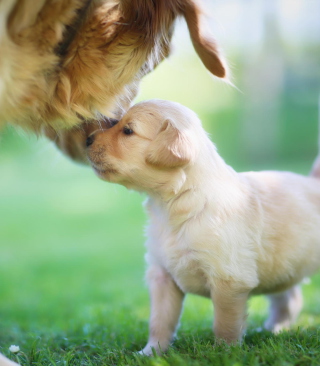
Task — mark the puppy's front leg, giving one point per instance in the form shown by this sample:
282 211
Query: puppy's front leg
230 310
166 304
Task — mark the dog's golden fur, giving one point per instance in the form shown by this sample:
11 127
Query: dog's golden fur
64 62
213 232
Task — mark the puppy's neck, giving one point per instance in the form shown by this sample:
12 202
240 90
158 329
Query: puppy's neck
207 182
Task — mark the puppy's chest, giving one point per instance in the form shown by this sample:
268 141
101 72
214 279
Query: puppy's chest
175 253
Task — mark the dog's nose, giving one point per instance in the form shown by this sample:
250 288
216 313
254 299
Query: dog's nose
113 121
89 140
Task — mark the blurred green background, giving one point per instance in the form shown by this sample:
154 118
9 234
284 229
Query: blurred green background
71 252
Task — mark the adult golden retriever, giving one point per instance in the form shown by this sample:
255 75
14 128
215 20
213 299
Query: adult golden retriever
65 63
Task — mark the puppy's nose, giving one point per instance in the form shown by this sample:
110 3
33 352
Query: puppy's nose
90 140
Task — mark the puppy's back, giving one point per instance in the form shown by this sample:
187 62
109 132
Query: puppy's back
290 225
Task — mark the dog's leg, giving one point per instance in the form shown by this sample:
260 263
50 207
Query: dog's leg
230 311
166 304
284 309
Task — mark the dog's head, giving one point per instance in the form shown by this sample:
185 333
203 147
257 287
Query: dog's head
123 43
147 146
67 62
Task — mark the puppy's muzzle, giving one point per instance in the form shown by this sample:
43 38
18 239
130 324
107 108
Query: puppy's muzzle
108 123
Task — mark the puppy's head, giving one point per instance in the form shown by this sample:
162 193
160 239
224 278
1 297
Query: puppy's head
146 146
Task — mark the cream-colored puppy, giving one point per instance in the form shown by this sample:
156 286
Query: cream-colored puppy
213 232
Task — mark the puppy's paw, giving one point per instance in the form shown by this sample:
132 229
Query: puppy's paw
277 328
152 350
284 309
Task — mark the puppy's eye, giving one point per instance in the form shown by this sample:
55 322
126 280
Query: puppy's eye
127 130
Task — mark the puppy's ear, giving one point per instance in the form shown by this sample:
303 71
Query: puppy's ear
171 148
204 44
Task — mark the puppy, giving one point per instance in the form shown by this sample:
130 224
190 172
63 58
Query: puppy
213 232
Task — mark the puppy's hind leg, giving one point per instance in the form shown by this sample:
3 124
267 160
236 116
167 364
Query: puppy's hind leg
284 309
166 305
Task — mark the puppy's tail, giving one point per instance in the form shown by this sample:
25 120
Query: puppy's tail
315 171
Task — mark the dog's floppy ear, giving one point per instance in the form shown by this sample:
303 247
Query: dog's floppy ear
204 44
171 148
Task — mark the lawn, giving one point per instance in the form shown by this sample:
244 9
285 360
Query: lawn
71 257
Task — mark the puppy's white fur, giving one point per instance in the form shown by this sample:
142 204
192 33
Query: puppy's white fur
213 232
